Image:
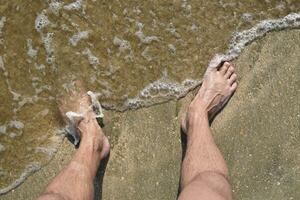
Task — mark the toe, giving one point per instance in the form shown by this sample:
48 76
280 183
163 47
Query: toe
233 87
224 68
232 78
229 72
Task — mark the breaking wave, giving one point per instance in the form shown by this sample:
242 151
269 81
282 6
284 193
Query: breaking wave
164 90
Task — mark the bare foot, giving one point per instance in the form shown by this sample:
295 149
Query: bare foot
217 88
90 132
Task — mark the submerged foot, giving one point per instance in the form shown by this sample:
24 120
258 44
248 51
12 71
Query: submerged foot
90 132
217 88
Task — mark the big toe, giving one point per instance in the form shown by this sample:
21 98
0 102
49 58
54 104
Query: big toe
223 69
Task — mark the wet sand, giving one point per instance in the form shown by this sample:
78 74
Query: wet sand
258 134
132 53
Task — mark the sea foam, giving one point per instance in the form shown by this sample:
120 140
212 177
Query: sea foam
163 90
31 52
123 45
240 40
48 44
41 21
3 129
28 170
2 148
144 39
93 60
16 124
55 6
77 5
2 22
78 36
75 117
2 64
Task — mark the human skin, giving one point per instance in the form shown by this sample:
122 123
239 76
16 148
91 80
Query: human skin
204 173
76 181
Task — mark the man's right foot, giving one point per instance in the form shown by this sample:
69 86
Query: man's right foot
89 129
217 88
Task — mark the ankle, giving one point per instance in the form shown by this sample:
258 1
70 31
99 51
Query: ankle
197 109
196 115
91 145
85 170
89 156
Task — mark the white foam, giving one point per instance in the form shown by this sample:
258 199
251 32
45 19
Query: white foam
2 148
16 124
144 39
77 5
12 135
2 67
171 29
26 100
71 128
145 54
124 48
194 27
31 52
76 117
48 45
2 23
39 66
41 21
96 104
3 129
16 96
123 45
187 7
161 90
217 60
93 60
247 17
78 36
240 40
172 48
33 167
65 27
55 6
42 88
136 10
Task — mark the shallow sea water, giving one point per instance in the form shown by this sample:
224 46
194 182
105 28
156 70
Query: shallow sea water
132 53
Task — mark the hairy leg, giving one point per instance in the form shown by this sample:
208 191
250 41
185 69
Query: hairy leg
204 172
76 180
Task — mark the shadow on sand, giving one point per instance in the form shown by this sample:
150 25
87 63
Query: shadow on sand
98 182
